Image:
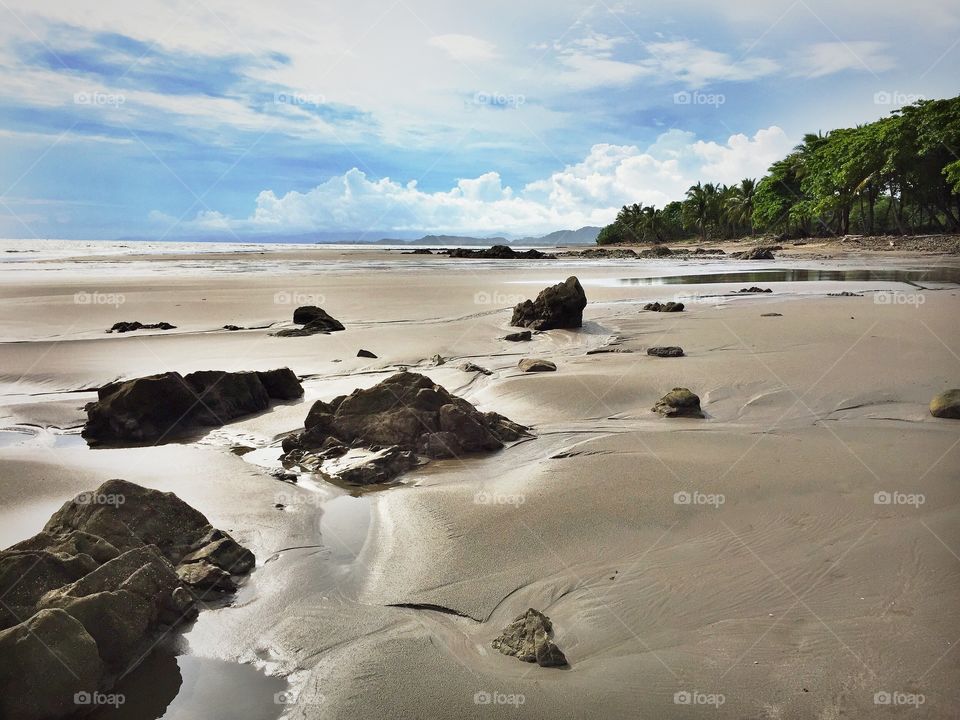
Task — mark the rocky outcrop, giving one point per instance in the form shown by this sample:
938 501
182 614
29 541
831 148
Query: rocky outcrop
757 253
361 353
389 425
603 254
946 405
844 293
159 408
528 638
665 351
657 251
559 306
664 307
122 327
754 289
499 252
679 402
522 336
529 365
86 595
315 321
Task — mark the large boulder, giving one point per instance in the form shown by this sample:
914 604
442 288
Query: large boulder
679 402
558 306
407 411
528 638
534 365
946 405
47 662
159 408
314 320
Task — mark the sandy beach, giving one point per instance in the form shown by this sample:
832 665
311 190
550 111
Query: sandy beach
791 555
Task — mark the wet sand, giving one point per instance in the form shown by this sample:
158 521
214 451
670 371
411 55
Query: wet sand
782 586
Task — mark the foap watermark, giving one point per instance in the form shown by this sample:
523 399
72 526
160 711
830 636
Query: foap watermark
896 297
98 498
498 698
494 498
296 697
696 97
291 499
99 98
899 498
295 297
299 98
896 97
899 698
497 100
683 497
695 697
497 298
99 298
114 700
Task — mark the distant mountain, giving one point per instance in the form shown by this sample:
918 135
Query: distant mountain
583 236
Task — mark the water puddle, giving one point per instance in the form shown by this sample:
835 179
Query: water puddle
39 437
917 278
170 687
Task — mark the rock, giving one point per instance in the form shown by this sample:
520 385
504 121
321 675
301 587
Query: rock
536 365
679 402
26 576
664 307
754 289
499 252
232 328
365 354
222 551
316 319
608 351
657 251
418 251
437 361
757 253
122 327
946 405
46 662
602 254
845 293
665 351
771 315
470 367
559 306
205 576
522 336
406 413
528 638
163 407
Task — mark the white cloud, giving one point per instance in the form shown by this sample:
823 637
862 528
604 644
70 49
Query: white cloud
586 193
828 58
465 48
698 66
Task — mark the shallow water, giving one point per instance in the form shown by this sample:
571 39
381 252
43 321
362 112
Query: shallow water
917 278
169 687
40 437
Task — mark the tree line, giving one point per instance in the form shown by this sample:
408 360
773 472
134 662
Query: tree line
898 175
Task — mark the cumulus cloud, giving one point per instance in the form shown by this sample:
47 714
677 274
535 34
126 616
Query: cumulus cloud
827 58
464 47
585 193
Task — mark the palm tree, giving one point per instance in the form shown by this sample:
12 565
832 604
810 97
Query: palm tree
698 205
740 203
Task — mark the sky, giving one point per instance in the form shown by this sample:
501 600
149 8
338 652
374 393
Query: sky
165 119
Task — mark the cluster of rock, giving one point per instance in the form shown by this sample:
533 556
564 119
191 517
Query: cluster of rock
665 351
498 252
373 435
162 407
558 306
83 598
528 638
757 253
664 307
123 326
679 402
657 251
844 293
314 321
754 289
946 405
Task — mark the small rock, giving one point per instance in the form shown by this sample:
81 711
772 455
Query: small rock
122 327
754 289
664 307
527 638
679 402
471 367
845 293
771 315
665 351
946 405
522 336
365 354
232 327
437 360
536 365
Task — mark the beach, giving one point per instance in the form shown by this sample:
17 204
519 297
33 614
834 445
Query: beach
793 554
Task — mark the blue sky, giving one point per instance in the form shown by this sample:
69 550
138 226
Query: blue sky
173 119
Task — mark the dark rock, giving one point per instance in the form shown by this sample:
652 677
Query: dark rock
845 293
162 407
122 327
657 251
757 253
232 328
317 318
206 576
418 251
664 307
499 252
679 402
770 315
609 350
946 405
365 354
470 367
528 638
559 306
26 576
665 351
536 365
522 336
754 289
45 663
